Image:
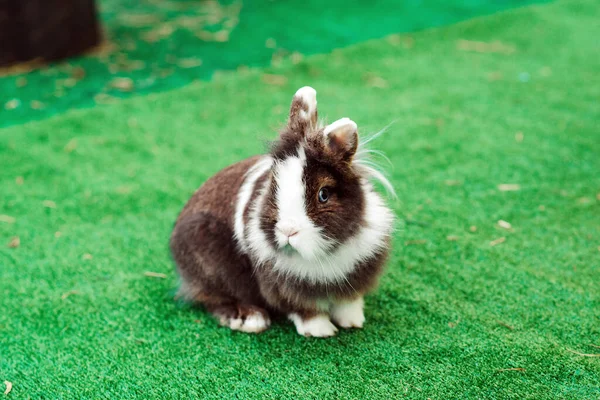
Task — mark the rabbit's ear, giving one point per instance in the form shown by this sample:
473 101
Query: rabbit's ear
341 138
303 112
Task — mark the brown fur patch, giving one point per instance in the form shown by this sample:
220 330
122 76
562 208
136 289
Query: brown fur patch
342 214
218 195
202 243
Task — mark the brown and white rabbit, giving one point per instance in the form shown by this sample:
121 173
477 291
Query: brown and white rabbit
299 231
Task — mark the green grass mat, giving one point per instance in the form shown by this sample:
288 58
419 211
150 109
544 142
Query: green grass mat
506 99
154 45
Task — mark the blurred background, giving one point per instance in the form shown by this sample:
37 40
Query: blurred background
102 50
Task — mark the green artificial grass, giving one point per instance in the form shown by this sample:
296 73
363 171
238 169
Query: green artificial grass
156 45
510 98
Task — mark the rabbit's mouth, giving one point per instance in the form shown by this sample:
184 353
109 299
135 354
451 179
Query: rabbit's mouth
289 249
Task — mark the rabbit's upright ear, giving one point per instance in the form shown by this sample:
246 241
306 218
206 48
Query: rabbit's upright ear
341 139
303 112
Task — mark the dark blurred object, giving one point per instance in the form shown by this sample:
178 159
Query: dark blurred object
47 30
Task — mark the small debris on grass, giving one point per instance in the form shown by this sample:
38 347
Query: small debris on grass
166 72
452 238
376 81
8 387
21 82
243 69
296 57
19 180
504 324
545 71
275 80
278 109
155 274
497 241
584 200
484 47
582 354
36 105
87 256
542 207
138 20
511 369
277 58
417 388
504 224
158 33
132 122
473 228
57 234
495 76
124 189
450 182
122 84
69 82
8 219
78 73
71 145
598 196
189 62
14 242
69 293
519 136
410 221
12 104
509 187
394 39
270 43
415 242
49 204
453 324
221 36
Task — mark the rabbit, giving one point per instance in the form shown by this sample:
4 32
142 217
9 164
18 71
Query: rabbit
299 232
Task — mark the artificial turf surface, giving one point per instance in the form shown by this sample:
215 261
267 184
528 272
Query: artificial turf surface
510 98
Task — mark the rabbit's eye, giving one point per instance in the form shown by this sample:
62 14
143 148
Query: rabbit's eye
323 195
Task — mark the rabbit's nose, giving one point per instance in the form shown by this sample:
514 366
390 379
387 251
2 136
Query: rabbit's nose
288 231
287 228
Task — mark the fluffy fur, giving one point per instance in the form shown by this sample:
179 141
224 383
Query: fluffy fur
299 231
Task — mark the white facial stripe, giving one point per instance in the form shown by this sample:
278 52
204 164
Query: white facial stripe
256 239
290 197
248 187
